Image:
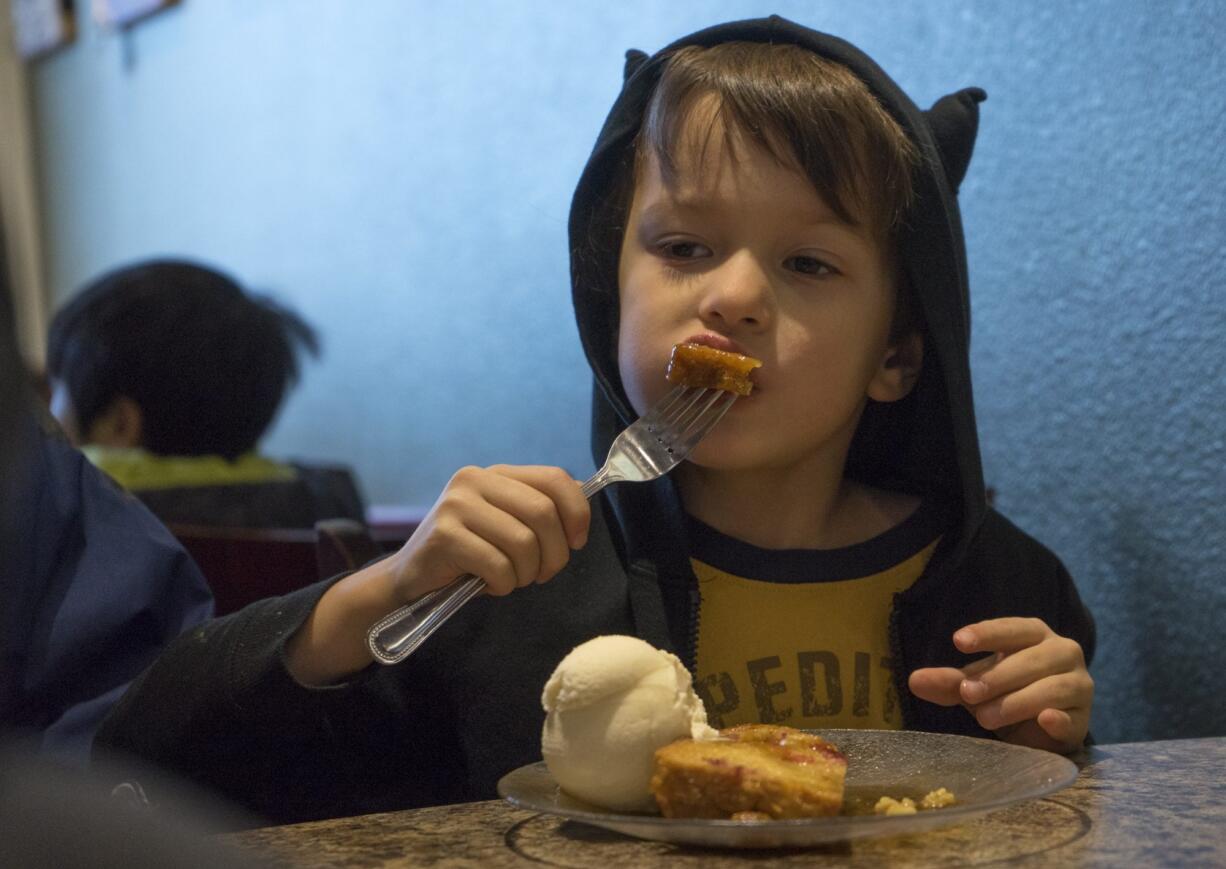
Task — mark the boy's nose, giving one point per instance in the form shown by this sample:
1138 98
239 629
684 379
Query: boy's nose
737 294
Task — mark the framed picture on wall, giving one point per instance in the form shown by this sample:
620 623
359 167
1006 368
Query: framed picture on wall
41 26
120 13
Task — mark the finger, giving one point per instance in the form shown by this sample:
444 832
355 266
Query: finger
1066 691
571 506
943 684
1062 726
515 540
1008 673
980 665
465 511
545 543
481 558
937 685
1005 635
515 516
1029 733
449 551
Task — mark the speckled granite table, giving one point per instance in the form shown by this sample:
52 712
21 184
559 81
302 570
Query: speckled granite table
1134 804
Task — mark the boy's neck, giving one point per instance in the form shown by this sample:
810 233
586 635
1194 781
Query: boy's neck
783 509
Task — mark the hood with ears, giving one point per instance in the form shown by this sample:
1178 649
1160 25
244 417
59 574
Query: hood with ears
926 443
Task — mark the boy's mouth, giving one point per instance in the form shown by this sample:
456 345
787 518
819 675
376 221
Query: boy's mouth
719 342
728 345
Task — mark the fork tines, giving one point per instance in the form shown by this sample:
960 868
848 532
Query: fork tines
688 413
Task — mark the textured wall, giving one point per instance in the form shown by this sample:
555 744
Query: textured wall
403 178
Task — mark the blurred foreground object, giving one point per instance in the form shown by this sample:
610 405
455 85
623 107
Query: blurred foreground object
53 817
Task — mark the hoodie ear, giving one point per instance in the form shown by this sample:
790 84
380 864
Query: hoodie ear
634 59
954 120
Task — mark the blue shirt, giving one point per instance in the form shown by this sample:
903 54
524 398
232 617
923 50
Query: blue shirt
92 587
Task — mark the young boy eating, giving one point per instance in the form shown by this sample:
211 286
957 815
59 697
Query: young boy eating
826 556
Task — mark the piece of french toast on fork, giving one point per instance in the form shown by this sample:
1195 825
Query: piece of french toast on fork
708 368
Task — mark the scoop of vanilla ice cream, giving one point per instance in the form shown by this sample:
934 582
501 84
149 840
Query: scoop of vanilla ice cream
611 703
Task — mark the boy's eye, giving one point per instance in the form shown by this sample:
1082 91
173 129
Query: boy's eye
684 250
808 265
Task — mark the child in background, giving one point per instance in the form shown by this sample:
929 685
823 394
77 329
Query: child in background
825 558
167 374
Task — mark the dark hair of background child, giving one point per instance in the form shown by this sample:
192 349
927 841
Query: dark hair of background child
207 363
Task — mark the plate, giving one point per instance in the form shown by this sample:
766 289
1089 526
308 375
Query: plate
983 774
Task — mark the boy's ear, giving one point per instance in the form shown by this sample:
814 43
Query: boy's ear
899 370
954 120
120 425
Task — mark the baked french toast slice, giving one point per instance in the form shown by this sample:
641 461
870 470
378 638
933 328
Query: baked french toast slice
705 367
753 771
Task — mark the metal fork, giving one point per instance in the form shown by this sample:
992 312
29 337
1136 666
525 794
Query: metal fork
651 447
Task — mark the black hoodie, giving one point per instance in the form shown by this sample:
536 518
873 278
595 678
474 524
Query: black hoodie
465 709
926 444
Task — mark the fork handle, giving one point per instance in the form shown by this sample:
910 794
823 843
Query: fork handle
398 634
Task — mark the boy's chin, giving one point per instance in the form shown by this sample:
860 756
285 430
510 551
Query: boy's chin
643 399
716 455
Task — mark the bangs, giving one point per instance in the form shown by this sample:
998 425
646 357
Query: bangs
808 113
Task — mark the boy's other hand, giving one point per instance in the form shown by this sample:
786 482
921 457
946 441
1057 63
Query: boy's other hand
1034 689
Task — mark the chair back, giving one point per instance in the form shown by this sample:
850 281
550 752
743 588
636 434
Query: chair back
342 545
242 565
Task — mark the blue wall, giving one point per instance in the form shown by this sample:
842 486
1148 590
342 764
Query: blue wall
402 176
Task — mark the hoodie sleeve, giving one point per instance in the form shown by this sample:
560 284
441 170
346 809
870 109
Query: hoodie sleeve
1009 573
220 709
1074 619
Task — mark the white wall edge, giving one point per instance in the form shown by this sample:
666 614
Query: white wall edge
19 205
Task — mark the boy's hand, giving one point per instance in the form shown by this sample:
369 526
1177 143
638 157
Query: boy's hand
1034 690
510 525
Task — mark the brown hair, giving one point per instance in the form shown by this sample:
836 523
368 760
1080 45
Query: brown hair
808 112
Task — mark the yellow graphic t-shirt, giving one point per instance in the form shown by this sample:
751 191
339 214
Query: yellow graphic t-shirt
801 637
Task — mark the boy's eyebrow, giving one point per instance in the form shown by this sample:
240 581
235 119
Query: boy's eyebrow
697 202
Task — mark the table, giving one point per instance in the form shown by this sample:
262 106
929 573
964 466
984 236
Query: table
1134 804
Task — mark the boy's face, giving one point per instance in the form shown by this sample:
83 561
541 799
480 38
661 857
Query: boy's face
742 254
119 424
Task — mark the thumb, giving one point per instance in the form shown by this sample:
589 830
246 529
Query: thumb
938 685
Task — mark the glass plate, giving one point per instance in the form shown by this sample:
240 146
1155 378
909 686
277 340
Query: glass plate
983 774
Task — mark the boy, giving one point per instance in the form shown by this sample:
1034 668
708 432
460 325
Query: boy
758 187
168 373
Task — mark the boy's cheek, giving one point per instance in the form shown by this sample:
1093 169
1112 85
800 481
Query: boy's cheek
633 382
